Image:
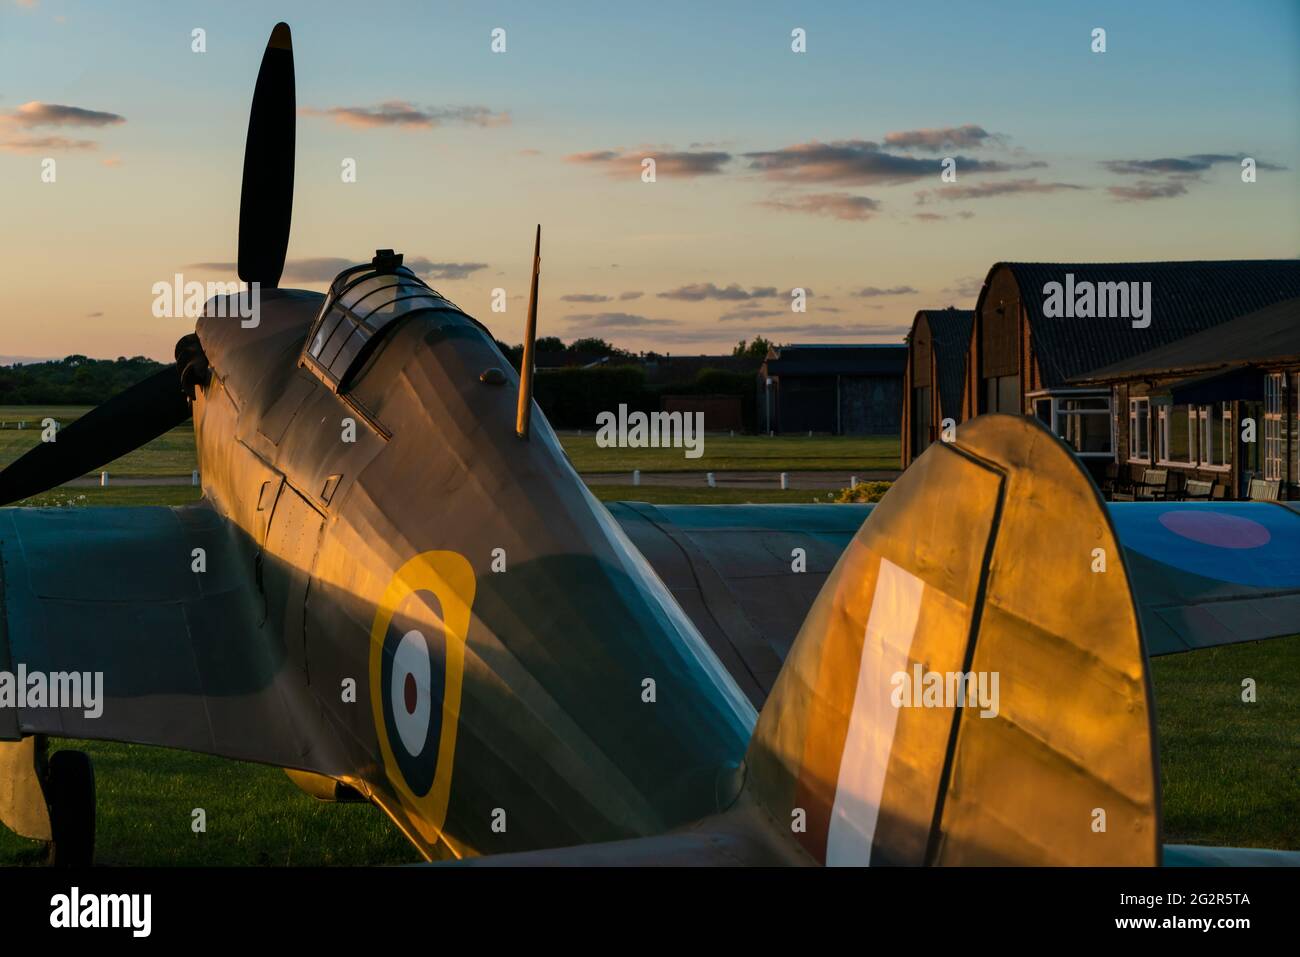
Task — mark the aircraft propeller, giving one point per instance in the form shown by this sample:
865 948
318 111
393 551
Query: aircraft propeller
266 201
152 407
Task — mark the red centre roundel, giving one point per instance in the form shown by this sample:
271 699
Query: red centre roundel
412 703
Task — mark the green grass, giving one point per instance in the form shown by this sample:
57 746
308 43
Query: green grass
116 495
173 453
146 797
757 453
169 454
1231 770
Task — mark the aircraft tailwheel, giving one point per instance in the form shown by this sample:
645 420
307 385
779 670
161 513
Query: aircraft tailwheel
70 792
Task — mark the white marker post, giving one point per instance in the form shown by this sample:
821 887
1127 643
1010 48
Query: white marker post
103 479
785 480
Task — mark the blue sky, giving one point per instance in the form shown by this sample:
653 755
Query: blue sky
157 191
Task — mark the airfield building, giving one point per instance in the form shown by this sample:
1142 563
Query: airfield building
835 389
1183 408
1040 328
935 376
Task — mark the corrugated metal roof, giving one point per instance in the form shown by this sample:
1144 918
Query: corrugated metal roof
1271 333
950 334
1187 298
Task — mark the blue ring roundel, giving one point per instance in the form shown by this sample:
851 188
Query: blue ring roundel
412 686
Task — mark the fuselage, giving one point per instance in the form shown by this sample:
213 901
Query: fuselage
496 665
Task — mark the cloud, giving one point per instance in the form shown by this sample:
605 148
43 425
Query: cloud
35 144
626 296
325 268
822 330
967 287
584 297
699 291
623 164
111 161
615 320
54 114
870 292
947 137
1192 165
745 314
987 190
1169 176
939 217
400 113
1147 189
858 163
843 206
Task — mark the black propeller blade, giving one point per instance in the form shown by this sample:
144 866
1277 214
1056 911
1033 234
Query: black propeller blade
266 202
125 422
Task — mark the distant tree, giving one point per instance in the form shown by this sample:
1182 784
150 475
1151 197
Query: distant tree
550 344
593 346
754 350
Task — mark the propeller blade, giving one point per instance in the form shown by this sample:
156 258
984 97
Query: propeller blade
524 415
266 201
125 422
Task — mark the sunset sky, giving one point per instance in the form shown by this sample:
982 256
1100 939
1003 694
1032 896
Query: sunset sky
775 169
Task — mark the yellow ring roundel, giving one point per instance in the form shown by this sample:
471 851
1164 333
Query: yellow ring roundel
404 684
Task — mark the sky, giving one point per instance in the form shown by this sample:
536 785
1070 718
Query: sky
775 170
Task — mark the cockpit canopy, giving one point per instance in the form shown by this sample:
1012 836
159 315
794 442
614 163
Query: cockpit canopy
362 302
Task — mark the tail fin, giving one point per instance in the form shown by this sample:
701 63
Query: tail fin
970 686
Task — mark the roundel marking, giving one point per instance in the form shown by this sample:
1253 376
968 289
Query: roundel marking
415 681
1213 528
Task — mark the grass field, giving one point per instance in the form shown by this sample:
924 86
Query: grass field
173 453
169 454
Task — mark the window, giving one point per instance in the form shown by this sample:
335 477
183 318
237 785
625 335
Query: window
1274 464
362 301
1082 421
1139 422
1295 431
1214 435
1175 435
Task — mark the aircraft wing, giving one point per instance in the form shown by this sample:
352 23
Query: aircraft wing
1204 574
185 657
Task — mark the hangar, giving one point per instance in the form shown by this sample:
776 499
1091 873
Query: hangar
935 376
835 389
1024 362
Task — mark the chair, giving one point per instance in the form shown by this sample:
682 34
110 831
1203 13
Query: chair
1197 490
1264 490
1117 481
1153 485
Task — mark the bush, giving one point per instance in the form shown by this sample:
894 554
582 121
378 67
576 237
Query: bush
864 492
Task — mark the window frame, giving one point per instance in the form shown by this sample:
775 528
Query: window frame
1203 416
1134 403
